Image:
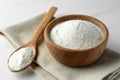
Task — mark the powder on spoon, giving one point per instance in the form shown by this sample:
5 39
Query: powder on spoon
76 34
21 58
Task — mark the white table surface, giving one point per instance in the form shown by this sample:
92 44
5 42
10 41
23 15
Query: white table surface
15 11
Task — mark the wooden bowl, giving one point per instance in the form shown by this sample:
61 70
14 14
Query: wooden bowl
71 57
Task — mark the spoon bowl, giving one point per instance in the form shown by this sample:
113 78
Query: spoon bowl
15 53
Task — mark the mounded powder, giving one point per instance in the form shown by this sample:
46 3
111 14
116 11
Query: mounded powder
76 34
21 58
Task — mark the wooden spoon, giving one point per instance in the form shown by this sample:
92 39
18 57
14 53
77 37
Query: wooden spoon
33 43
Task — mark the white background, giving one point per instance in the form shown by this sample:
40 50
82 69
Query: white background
15 11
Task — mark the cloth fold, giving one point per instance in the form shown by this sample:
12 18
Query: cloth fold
46 67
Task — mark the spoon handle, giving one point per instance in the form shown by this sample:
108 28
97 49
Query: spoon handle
40 29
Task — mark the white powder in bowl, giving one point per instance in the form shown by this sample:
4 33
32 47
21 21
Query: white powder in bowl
76 34
21 58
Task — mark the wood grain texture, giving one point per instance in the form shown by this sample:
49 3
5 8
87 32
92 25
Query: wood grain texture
72 57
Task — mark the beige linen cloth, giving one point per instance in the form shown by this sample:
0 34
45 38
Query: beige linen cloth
47 68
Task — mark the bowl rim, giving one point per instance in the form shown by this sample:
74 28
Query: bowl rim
48 39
